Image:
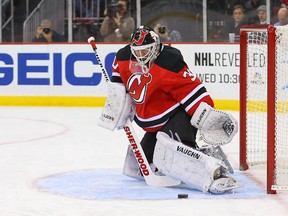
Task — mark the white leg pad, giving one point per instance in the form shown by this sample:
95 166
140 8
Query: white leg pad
131 166
184 163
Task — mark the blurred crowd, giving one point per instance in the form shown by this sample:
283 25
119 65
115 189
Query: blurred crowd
115 20
246 12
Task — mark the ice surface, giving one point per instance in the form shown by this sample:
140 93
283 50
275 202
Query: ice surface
57 161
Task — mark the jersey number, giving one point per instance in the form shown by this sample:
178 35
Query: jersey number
188 73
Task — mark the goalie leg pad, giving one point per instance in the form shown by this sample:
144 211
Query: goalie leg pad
216 127
119 107
131 167
184 163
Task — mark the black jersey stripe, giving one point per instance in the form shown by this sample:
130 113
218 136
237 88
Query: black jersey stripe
194 97
163 119
116 79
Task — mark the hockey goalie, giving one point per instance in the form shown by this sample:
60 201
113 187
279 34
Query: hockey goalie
152 85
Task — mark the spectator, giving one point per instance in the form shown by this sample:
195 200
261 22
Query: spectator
261 15
126 23
253 4
45 33
234 25
282 17
118 25
284 3
251 7
167 35
232 3
109 25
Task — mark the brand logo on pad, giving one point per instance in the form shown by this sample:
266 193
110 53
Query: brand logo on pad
190 152
201 116
137 86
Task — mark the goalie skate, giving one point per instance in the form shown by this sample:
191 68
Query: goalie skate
224 184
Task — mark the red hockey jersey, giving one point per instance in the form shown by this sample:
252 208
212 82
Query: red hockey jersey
168 86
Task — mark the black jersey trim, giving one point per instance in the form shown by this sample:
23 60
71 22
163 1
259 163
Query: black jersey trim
124 54
156 122
116 79
200 92
171 59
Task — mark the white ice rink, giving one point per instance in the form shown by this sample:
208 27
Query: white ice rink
57 162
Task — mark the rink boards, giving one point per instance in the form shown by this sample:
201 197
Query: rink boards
70 75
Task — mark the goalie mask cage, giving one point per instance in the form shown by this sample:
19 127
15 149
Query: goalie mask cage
264 102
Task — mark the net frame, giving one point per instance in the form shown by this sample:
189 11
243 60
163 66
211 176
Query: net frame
270 108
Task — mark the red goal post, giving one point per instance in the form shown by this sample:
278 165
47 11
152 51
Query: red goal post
264 102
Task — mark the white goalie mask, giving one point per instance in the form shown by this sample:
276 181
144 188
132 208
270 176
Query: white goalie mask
145 45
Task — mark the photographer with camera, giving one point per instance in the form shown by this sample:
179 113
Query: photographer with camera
117 25
109 24
45 33
166 35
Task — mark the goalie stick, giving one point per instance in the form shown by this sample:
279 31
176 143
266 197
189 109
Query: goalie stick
150 177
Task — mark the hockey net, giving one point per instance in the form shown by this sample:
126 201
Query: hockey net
264 102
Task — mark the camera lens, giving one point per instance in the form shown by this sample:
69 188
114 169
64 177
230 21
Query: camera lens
162 29
112 10
46 30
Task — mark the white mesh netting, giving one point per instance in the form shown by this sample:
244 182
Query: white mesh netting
256 121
